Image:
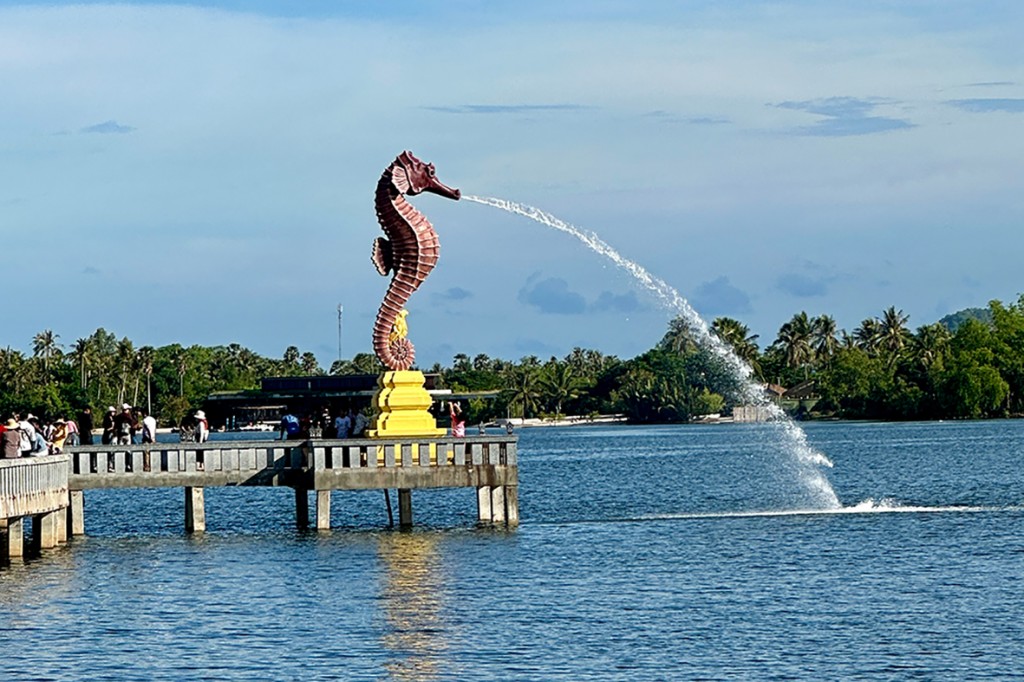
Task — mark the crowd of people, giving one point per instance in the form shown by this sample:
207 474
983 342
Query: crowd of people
26 435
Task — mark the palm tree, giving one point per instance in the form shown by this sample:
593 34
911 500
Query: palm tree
125 363
823 338
83 357
795 341
145 357
868 334
559 383
291 357
739 338
180 360
522 389
678 338
930 343
310 365
893 333
45 347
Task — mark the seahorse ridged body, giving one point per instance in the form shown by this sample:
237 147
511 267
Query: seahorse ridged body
410 249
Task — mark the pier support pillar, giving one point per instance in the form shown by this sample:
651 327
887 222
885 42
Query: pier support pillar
404 508
76 513
195 510
301 508
512 505
323 509
498 504
12 542
483 504
44 531
60 525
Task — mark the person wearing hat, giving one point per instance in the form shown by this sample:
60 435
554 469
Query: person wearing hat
108 425
202 427
59 435
125 425
10 440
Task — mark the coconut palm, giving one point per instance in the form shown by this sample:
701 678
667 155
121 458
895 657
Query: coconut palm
125 364
823 338
522 389
678 338
310 365
868 334
145 357
739 338
559 383
794 340
180 361
893 333
930 343
46 348
82 355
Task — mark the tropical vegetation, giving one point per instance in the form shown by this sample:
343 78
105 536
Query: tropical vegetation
969 365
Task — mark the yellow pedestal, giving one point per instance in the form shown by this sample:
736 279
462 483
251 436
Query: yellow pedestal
402 403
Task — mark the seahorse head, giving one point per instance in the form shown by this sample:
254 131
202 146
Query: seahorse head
411 176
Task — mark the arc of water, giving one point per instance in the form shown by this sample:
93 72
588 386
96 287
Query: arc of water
806 458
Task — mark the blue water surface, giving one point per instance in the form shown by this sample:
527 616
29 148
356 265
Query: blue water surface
681 553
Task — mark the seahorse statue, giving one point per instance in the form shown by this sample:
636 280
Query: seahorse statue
410 250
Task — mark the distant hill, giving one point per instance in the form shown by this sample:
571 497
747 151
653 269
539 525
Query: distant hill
953 321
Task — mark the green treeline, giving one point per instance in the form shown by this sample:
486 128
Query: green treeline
967 366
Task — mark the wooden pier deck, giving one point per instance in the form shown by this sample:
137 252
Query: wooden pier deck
45 487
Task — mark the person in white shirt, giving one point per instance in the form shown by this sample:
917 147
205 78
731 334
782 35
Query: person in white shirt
148 427
343 424
202 427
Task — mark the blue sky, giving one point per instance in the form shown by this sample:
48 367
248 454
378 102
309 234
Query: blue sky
204 172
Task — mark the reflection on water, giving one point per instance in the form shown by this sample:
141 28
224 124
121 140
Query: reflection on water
412 592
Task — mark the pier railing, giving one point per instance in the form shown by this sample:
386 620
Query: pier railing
349 464
354 464
487 463
33 485
155 465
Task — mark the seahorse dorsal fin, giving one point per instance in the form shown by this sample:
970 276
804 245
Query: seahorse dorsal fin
382 255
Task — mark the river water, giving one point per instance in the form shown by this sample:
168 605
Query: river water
651 553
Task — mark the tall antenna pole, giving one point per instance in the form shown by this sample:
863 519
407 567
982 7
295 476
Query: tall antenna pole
341 309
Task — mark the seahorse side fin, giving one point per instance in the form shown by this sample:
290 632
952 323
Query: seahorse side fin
382 255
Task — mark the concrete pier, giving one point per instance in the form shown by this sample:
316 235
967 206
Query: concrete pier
485 463
34 489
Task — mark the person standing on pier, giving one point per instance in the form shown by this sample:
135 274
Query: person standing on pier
148 427
202 427
343 424
85 425
290 427
11 440
359 425
108 425
458 420
59 436
28 433
125 425
74 437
